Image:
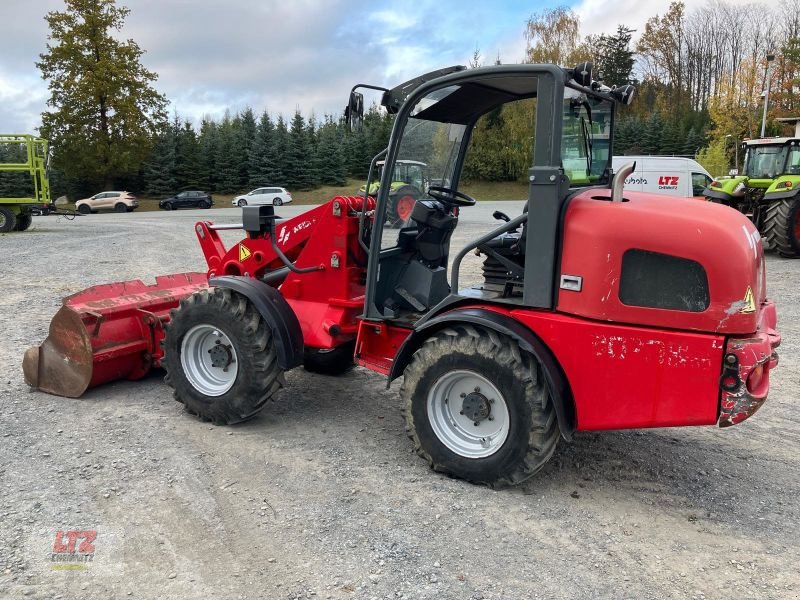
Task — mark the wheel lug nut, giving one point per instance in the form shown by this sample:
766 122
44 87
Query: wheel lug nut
463 395
461 413
477 389
491 418
475 423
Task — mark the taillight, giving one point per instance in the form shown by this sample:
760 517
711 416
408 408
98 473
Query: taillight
756 380
787 185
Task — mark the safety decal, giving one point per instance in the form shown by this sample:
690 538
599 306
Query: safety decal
244 253
749 302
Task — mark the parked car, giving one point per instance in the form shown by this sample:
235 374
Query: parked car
116 201
188 199
277 196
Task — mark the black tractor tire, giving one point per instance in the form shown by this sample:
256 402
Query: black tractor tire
781 228
8 219
277 202
85 209
24 221
330 362
258 376
120 207
532 427
397 201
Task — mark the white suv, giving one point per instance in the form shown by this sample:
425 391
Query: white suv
276 196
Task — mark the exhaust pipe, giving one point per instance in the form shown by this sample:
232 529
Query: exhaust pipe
619 180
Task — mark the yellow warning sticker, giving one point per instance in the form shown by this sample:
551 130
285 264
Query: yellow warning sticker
244 253
749 302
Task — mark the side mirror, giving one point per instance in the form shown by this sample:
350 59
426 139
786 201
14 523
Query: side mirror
582 74
354 112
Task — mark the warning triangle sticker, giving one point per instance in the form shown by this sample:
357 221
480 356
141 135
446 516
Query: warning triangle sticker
244 253
749 302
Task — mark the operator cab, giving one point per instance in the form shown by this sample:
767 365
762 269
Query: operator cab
565 137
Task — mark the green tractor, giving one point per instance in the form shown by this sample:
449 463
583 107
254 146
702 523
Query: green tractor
768 191
23 174
409 183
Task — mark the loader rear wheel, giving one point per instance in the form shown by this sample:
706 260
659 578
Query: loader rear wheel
220 357
477 407
8 219
23 222
782 226
330 362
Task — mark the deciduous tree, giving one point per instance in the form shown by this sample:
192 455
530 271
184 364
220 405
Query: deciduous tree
104 111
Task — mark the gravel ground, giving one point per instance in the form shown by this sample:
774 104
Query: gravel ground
321 496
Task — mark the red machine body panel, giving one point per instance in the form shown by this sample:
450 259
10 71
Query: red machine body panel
629 377
598 233
327 301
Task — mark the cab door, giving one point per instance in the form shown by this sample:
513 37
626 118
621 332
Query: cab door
700 181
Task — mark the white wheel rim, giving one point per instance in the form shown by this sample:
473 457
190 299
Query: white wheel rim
209 360
456 392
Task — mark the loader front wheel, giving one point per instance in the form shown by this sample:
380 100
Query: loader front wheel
477 407
220 357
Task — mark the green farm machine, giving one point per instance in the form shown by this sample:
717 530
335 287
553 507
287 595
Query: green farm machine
409 182
768 190
23 177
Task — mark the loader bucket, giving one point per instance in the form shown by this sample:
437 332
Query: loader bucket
105 333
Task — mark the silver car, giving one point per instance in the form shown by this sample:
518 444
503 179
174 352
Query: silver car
276 196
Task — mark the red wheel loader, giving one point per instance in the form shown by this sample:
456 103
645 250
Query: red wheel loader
598 308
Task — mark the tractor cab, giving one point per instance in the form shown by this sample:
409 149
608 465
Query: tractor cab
565 126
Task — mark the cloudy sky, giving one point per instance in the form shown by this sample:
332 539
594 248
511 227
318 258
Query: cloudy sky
279 55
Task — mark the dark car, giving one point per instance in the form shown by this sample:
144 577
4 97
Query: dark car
189 199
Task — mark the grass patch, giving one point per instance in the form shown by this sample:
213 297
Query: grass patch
480 190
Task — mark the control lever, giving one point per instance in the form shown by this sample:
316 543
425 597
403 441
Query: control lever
501 216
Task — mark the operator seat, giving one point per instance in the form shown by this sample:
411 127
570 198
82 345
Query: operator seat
422 280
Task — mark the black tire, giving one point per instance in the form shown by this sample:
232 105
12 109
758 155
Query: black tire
120 207
8 219
330 362
24 221
532 428
168 206
241 203
84 209
205 204
277 202
781 229
398 199
259 376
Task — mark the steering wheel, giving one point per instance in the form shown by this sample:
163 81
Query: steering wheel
450 197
